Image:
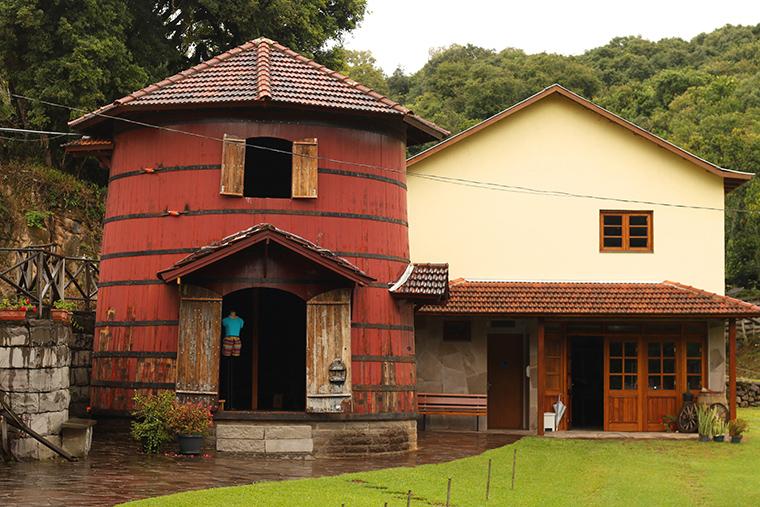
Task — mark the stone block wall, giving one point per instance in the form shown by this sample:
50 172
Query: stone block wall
310 438
748 394
82 329
34 380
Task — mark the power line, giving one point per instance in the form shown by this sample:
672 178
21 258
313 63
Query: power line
445 179
28 131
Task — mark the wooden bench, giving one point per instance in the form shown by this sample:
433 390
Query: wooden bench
474 405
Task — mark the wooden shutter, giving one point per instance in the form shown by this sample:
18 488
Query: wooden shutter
328 342
305 174
233 166
200 321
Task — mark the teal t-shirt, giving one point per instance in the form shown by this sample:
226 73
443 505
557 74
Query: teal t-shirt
232 326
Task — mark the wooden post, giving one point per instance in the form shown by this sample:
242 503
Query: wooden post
540 373
732 369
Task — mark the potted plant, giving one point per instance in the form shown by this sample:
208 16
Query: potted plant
719 431
190 422
705 422
670 423
15 308
151 424
736 430
61 310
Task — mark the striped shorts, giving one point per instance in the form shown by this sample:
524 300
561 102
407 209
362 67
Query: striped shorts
231 346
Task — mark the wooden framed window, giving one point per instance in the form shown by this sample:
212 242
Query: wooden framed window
457 331
625 231
694 361
624 365
661 365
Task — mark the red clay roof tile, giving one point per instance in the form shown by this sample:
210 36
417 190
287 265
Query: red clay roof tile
259 70
423 281
663 299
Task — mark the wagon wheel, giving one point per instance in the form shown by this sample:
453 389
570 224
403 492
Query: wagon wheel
687 419
721 410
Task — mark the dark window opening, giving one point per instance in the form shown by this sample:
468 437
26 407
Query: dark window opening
456 331
270 373
587 381
268 167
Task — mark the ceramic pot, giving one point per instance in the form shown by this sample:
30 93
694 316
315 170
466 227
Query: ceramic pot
12 315
736 439
190 444
704 438
719 438
60 315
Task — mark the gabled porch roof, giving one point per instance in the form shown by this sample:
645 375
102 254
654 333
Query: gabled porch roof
241 240
587 299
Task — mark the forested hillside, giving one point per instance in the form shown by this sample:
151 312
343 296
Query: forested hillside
703 95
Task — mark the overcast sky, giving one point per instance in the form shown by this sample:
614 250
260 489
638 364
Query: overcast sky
402 32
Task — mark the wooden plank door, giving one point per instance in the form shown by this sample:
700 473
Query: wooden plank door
200 321
622 384
505 381
556 366
328 352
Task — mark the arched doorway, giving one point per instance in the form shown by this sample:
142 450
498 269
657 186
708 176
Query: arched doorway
270 373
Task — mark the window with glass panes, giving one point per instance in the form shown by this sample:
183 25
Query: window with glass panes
694 365
625 231
661 365
623 374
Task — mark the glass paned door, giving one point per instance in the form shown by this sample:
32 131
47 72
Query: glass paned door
621 410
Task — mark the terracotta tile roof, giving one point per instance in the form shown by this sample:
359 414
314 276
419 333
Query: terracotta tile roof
587 299
423 281
260 70
88 144
260 232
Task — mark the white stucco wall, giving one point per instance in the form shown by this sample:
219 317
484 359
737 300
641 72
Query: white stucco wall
556 144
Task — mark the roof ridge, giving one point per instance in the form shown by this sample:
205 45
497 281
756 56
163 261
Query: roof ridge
342 78
263 69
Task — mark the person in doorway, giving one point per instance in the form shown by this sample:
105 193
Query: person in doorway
232 325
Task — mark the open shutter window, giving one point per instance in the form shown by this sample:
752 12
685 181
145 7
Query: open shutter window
305 172
328 352
200 321
233 166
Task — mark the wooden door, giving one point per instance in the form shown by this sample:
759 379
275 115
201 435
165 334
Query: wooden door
662 386
328 352
622 384
505 381
200 320
556 367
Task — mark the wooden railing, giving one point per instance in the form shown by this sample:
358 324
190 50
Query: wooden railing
43 276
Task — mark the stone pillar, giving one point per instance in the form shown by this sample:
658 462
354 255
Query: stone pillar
82 328
716 356
34 380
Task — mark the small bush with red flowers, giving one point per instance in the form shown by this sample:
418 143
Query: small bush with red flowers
23 304
190 418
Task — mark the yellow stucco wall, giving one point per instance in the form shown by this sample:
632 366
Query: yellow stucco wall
556 144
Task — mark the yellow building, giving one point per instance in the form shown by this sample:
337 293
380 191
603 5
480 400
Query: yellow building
587 259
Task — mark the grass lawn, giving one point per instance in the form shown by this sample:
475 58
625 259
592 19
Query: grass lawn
549 472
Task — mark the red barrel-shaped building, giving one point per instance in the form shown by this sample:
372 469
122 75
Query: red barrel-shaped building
264 184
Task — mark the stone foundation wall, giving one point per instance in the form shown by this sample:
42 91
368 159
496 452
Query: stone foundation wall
83 325
748 394
304 439
34 380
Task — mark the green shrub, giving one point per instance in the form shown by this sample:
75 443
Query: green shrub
190 418
737 427
706 418
151 424
35 219
64 305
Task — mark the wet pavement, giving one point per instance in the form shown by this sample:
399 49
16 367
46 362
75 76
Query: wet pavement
116 471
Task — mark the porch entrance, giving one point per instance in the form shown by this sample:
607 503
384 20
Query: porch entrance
505 372
270 373
587 382
623 376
